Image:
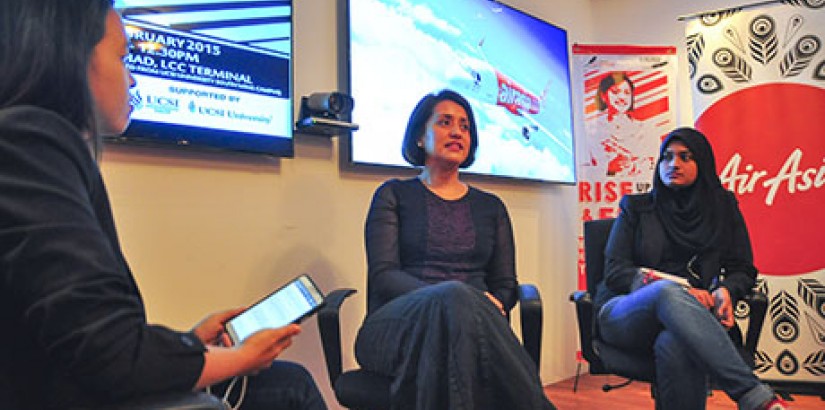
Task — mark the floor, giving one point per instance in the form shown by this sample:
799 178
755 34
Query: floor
589 396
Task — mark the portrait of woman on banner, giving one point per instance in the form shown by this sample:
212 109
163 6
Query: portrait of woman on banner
617 145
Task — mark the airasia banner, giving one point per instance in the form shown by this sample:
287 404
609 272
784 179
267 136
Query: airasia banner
627 100
757 77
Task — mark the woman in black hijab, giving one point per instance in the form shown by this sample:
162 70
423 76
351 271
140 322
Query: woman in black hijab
690 227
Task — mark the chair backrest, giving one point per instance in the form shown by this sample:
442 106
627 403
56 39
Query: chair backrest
596 233
603 358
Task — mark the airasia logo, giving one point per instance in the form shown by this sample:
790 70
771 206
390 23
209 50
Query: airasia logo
769 142
513 98
791 178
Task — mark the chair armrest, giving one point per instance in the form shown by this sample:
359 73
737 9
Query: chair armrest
329 327
531 320
758 305
175 401
584 317
581 296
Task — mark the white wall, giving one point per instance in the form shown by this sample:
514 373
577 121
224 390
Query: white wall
207 231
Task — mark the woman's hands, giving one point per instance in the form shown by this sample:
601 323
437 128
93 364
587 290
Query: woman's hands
724 306
704 297
496 302
255 353
719 302
212 329
264 346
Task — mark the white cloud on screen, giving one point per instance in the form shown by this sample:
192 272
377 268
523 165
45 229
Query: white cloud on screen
425 15
394 78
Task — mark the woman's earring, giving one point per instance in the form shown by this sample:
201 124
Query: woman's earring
420 144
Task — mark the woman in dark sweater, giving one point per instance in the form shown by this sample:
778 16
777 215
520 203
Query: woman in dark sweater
76 334
691 227
442 276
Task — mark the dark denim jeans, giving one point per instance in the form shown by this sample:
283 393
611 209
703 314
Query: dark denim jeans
688 342
446 346
284 386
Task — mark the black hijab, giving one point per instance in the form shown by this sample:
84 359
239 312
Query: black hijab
691 215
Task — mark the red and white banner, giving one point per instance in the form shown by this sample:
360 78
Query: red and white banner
628 95
758 84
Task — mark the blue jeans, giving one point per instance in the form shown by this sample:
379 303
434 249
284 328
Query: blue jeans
446 346
283 386
688 343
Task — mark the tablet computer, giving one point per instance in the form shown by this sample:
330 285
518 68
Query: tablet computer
291 303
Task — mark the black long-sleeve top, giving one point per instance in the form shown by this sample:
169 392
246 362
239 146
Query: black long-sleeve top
415 238
75 331
638 239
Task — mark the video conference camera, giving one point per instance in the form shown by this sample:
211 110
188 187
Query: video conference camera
333 103
326 113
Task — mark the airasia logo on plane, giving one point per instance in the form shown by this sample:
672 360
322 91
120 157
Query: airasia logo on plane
514 98
772 156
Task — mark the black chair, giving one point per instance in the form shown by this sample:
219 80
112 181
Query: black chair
361 389
605 359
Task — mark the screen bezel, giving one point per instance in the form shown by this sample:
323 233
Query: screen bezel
346 160
160 134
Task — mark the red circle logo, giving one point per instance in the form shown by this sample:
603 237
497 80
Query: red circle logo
769 142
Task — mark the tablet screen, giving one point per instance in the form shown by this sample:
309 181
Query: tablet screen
286 305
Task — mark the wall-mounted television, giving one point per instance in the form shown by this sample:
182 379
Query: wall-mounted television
211 74
512 67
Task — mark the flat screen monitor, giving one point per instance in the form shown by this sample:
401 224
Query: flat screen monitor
512 67
213 74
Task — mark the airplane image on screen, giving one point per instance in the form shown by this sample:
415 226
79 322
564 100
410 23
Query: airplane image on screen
486 84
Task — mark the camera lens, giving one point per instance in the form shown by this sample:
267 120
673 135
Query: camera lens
334 103
330 103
